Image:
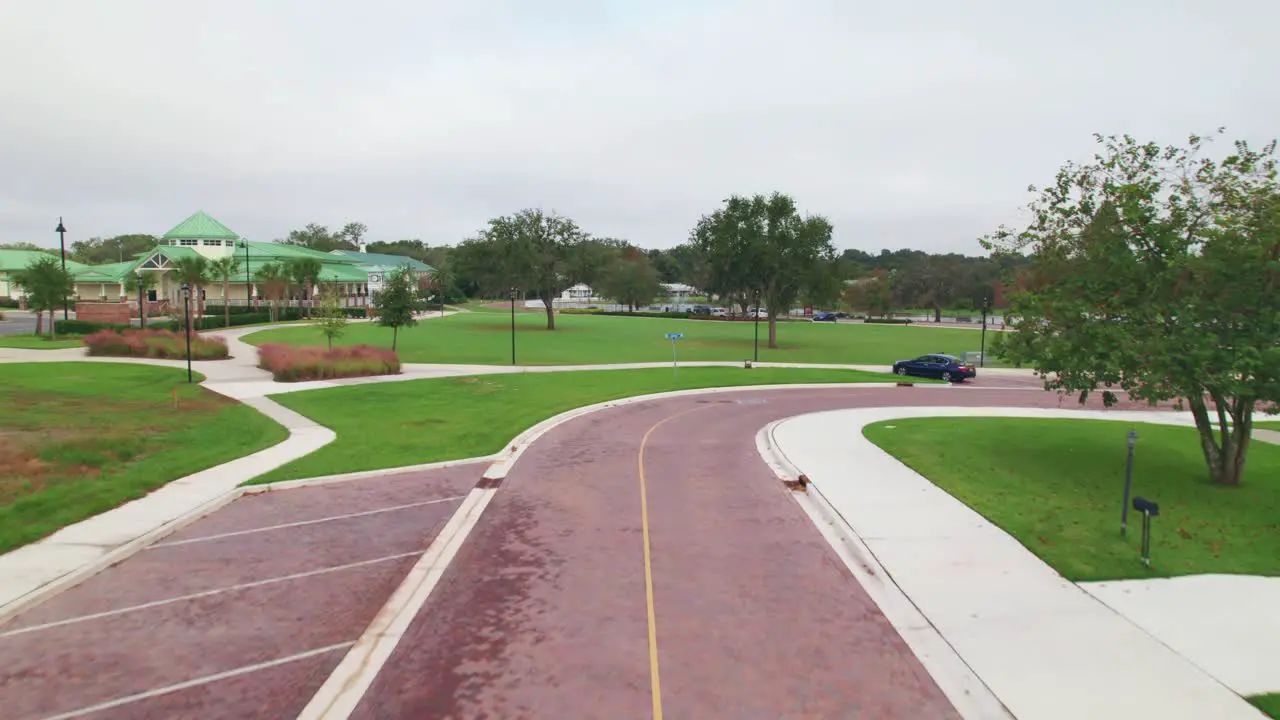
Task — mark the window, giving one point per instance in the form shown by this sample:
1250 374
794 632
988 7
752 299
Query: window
212 243
188 243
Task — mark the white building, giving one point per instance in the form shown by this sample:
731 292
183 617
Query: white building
679 291
580 292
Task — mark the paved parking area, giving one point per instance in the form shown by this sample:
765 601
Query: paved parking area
241 614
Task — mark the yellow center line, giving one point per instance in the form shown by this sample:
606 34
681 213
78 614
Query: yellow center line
655 681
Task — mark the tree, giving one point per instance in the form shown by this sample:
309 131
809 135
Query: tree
101 251
1156 271
303 271
274 282
318 237
631 280
27 246
193 271
761 247
397 301
46 285
333 321
533 250
224 268
415 249
872 295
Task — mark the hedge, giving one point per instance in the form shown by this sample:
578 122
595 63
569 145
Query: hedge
887 321
623 313
84 327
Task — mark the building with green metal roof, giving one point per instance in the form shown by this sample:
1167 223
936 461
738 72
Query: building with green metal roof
11 261
351 275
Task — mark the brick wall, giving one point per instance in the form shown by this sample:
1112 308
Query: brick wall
103 312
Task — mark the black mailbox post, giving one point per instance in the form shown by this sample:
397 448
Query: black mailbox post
1149 509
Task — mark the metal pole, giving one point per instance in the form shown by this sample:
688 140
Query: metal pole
756 316
62 242
513 326
186 312
675 362
1128 482
982 356
1146 539
142 304
248 283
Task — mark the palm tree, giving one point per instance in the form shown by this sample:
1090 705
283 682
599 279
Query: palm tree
274 281
46 286
225 267
302 271
193 272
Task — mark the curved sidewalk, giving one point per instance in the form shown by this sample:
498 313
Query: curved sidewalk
1044 646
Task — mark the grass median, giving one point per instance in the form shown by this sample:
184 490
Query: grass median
78 438
420 421
40 342
1057 486
484 338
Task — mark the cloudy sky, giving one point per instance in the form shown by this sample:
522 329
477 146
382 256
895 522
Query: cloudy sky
908 124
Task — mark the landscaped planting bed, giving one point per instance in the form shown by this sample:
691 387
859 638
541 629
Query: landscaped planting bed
291 363
155 344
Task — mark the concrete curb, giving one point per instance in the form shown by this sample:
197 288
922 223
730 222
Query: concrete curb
962 686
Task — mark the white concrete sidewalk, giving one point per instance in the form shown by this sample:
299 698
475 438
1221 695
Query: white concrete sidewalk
1045 647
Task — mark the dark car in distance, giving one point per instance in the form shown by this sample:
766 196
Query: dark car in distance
825 317
937 365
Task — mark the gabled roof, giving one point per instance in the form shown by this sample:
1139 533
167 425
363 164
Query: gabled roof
383 260
200 226
115 272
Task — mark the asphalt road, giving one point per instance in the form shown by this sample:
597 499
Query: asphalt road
17 323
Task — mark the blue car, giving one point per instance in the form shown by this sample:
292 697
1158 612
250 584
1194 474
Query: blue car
937 365
825 317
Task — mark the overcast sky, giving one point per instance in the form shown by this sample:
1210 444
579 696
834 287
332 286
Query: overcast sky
907 124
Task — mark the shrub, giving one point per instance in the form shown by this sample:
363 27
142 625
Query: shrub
887 321
84 327
161 344
8 302
292 363
623 313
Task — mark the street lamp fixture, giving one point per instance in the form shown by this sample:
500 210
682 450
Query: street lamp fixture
186 314
513 326
142 302
982 354
62 242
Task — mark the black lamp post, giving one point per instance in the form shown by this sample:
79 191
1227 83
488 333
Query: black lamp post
62 242
248 284
186 314
755 312
513 326
982 355
142 303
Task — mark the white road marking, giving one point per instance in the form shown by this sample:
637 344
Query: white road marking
303 523
127 699
338 697
206 593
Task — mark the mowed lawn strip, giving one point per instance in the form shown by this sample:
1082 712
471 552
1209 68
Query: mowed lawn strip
484 338
422 421
37 342
1057 486
77 439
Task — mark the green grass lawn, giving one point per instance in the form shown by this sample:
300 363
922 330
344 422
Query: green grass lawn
1269 704
485 338
77 439
421 421
1267 424
39 342
1057 486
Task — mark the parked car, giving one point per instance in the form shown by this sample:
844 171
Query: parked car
719 312
758 313
825 317
701 310
937 365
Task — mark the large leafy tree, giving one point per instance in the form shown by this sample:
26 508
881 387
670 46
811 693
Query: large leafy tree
194 272
319 237
100 251
46 285
398 301
1156 271
274 281
303 272
761 247
630 280
531 250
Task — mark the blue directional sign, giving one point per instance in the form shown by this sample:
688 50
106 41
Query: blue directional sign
674 336
675 364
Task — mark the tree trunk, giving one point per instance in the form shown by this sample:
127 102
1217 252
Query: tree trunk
773 331
226 302
1226 453
39 322
306 291
937 312
395 335
551 312
53 327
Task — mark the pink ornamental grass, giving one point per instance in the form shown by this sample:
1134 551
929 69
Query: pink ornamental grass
292 363
161 344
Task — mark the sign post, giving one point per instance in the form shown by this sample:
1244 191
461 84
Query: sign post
1128 482
675 363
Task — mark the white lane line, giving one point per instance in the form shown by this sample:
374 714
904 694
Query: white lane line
206 593
127 699
338 697
303 523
